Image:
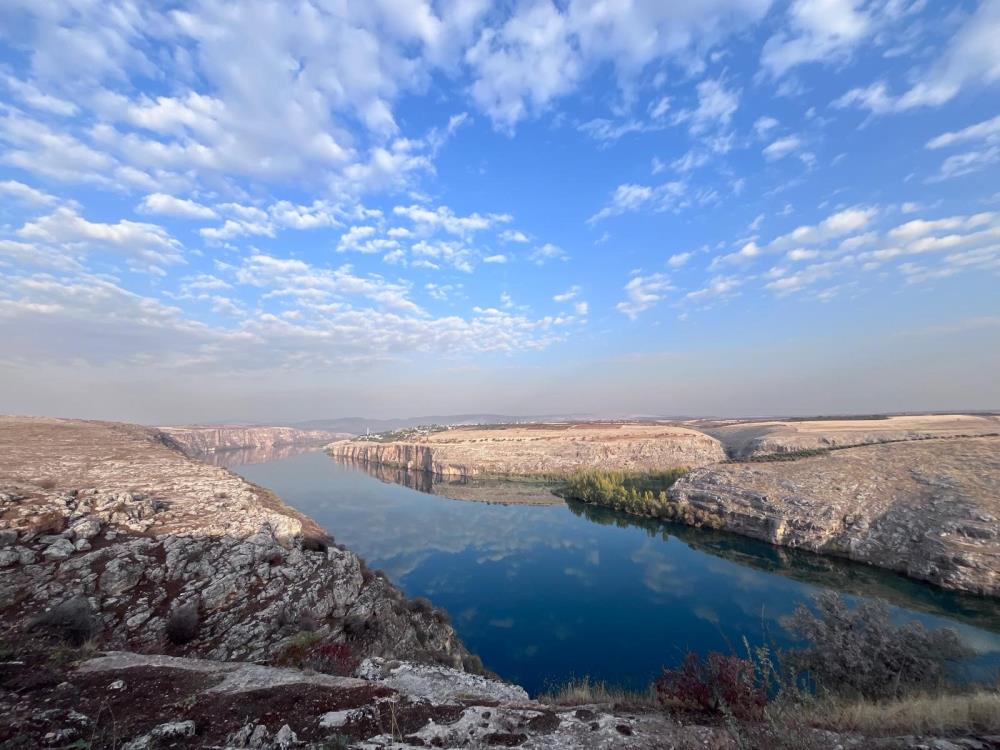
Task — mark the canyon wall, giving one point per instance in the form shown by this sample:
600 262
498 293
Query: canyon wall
927 508
540 450
198 440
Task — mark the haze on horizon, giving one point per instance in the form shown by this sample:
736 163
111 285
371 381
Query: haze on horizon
269 211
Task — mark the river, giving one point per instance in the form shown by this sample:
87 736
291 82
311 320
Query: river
545 591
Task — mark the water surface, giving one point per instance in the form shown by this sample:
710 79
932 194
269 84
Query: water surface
547 592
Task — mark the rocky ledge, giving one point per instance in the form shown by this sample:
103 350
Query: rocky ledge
201 440
539 450
929 509
115 520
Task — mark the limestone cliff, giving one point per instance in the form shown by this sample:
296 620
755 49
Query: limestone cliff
929 509
115 514
540 450
200 440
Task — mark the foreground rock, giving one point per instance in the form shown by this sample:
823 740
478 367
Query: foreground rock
200 440
111 532
752 439
929 508
539 450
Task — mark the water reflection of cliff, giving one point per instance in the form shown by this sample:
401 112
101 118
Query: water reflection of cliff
493 491
806 567
246 456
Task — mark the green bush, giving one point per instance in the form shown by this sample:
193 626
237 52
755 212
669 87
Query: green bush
639 493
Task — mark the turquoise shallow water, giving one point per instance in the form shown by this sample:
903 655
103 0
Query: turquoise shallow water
545 593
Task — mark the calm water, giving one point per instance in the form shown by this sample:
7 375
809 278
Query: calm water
545 593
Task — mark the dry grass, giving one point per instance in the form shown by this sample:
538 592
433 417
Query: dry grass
929 714
583 692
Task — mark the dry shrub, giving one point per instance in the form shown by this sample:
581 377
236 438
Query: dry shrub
719 684
72 621
859 652
331 658
584 692
977 712
183 623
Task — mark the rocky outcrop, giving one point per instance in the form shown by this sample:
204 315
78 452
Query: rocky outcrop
929 509
754 439
117 521
141 702
198 440
539 450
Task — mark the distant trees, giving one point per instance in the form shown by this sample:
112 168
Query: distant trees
639 493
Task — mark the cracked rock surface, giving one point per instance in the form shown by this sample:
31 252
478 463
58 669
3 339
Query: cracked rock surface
117 515
928 508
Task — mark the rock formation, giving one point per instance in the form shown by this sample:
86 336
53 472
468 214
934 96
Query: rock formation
752 439
927 508
199 440
539 450
115 515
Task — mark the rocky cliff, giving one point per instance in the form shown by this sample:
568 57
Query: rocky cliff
928 508
116 519
753 439
199 440
540 450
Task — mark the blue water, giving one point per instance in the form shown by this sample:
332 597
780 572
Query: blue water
547 593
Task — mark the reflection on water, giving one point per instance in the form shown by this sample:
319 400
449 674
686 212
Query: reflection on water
246 456
522 492
544 593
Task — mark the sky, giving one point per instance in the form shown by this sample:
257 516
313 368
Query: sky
279 210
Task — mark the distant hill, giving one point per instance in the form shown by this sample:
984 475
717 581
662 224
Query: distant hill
359 425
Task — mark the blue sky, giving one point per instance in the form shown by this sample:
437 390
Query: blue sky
286 210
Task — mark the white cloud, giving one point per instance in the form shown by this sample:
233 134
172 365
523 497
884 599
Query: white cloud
819 31
679 259
548 252
513 235
782 147
971 58
443 218
353 237
988 131
542 51
65 229
631 197
571 293
764 125
642 293
716 107
498 258
18 191
718 287
168 205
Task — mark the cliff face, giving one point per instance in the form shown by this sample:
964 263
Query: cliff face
195 440
929 509
114 514
755 439
530 450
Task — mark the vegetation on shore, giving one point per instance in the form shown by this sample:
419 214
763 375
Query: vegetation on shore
638 493
855 671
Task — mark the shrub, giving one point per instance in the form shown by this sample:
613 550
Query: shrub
719 684
73 621
420 605
297 649
183 623
312 543
860 652
644 494
331 658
